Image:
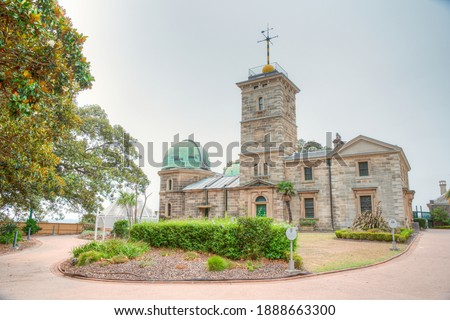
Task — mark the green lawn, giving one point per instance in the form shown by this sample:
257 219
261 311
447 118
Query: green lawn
324 252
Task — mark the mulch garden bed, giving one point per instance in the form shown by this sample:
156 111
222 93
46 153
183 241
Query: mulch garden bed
7 248
176 265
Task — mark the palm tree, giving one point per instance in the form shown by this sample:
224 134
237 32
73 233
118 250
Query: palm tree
287 190
127 200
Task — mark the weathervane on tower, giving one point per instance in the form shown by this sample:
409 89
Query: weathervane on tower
267 38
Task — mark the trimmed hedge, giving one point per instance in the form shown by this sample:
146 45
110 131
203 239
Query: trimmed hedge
375 235
422 222
249 238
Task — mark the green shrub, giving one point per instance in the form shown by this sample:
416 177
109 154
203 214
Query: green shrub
216 263
440 216
422 222
252 235
307 222
89 257
32 224
298 261
441 227
121 228
401 235
249 238
8 228
111 248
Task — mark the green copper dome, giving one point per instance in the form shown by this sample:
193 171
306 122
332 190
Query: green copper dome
234 169
186 154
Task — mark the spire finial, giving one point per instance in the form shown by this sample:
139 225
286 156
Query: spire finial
267 38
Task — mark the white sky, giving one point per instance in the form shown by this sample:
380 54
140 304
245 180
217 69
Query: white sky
378 68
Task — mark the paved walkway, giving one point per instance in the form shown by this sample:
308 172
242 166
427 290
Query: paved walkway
422 273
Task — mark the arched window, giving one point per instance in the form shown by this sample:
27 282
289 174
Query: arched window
255 169
261 208
169 209
260 103
170 184
260 199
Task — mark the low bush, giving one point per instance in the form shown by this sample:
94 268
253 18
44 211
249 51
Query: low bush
8 228
441 227
246 238
32 225
422 222
216 263
298 261
401 236
307 222
89 257
190 255
121 258
111 248
370 220
121 228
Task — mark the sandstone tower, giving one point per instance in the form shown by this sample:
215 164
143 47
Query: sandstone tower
268 123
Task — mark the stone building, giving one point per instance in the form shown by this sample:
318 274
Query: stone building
332 186
441 201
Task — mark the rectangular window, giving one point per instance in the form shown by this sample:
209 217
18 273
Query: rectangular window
308 174
365 203
266 169
255 169
363 169
309 208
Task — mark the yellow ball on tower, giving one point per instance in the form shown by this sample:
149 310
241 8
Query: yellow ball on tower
268 68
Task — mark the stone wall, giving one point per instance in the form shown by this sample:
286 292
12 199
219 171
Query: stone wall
180 178
384 183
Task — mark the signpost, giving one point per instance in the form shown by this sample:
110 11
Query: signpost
291 234
393 224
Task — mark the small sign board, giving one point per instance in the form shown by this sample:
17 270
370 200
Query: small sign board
291 233
393 223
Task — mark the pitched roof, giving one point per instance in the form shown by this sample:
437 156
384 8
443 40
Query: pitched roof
442 200
216 182
386 146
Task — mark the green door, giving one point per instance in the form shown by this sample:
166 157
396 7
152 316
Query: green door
261 207
260 210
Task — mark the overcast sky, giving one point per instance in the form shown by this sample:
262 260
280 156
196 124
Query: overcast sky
377 68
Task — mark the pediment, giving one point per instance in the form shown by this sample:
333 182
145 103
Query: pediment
259 183
366 145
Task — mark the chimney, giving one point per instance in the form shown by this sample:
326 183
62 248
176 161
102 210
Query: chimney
443 186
